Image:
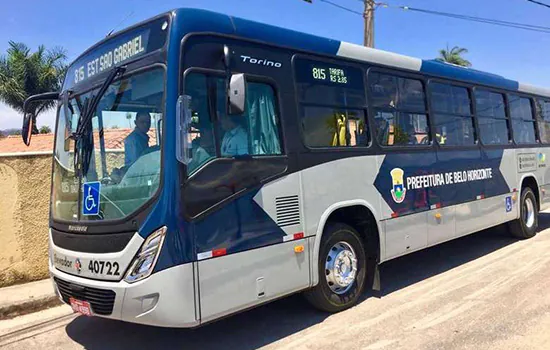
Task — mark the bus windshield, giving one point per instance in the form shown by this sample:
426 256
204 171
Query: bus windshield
118 157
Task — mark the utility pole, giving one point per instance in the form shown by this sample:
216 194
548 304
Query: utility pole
369 23
368 16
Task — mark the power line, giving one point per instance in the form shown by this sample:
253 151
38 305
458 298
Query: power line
539 3
342 7
515 25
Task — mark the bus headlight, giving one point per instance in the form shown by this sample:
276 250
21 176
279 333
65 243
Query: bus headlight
145 261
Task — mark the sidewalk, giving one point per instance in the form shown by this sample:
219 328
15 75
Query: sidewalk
26 298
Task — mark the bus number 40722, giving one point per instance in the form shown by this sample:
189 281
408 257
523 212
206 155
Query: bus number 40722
101 267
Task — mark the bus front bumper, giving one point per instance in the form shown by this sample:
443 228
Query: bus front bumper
165 299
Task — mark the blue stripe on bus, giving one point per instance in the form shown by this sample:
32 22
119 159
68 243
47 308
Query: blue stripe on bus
460 190
238 226
205 21
467 74
285 37
194 20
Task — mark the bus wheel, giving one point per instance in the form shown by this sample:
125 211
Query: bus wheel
526 226
342 269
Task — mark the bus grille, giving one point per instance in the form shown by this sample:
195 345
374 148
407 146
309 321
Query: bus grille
288 210
101 300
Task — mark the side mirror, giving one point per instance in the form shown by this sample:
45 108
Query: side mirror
237 94
28 117
26 130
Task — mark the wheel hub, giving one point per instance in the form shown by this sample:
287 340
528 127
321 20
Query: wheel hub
529 212
341 267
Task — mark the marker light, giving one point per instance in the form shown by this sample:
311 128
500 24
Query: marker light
145 261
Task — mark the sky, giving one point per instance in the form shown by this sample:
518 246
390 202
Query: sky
514 53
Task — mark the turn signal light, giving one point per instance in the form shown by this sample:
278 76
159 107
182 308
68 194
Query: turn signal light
299 249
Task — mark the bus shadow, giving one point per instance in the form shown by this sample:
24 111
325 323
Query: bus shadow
410 269
270 323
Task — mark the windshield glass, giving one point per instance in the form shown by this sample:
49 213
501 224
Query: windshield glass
121 149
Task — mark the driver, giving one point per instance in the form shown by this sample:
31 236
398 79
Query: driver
235 139
136 143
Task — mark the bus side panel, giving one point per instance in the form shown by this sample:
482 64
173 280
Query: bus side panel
238 281
544 154
531 162
332 185
406 234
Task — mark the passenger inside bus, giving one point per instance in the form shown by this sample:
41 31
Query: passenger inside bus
411 134
136 143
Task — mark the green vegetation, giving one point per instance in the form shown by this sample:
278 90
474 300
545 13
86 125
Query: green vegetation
454 56
24 73
44 129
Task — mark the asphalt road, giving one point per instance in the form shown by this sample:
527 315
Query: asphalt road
484 291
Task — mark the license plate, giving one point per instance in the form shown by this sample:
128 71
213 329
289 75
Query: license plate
82 307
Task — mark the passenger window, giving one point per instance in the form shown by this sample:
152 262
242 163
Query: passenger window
256 132
453 119
400 108
491 118
523 123
334 127
543 116
332 103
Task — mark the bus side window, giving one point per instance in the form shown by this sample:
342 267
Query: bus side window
453 118
523 122
400 110
491 117
543 119
256 132
332 104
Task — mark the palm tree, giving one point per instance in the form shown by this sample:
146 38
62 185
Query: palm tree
454 56
24 73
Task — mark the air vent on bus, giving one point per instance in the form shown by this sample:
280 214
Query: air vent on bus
288 210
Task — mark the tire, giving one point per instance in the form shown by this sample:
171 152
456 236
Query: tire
335 247
526 226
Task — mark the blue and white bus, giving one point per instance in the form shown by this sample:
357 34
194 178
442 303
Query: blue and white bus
206 164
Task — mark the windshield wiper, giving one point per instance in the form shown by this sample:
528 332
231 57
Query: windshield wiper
90 108
82 160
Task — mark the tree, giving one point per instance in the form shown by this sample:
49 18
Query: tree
24 73
44 129
454 56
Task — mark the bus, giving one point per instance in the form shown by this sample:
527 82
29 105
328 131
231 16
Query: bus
205 164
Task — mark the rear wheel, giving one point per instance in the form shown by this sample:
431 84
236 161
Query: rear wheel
527 224
342 269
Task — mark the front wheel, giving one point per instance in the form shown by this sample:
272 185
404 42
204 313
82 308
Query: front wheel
527 224
342 269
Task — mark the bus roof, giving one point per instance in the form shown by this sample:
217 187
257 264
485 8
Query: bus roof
195 20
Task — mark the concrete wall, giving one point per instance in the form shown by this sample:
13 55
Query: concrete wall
24 212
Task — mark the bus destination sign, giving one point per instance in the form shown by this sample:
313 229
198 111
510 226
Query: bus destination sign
111 58
118 50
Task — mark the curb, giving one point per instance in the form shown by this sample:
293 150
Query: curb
28 307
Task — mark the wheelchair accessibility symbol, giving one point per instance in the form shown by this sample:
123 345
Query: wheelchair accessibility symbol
90 198
509 204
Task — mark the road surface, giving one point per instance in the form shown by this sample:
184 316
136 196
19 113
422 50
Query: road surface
484 291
